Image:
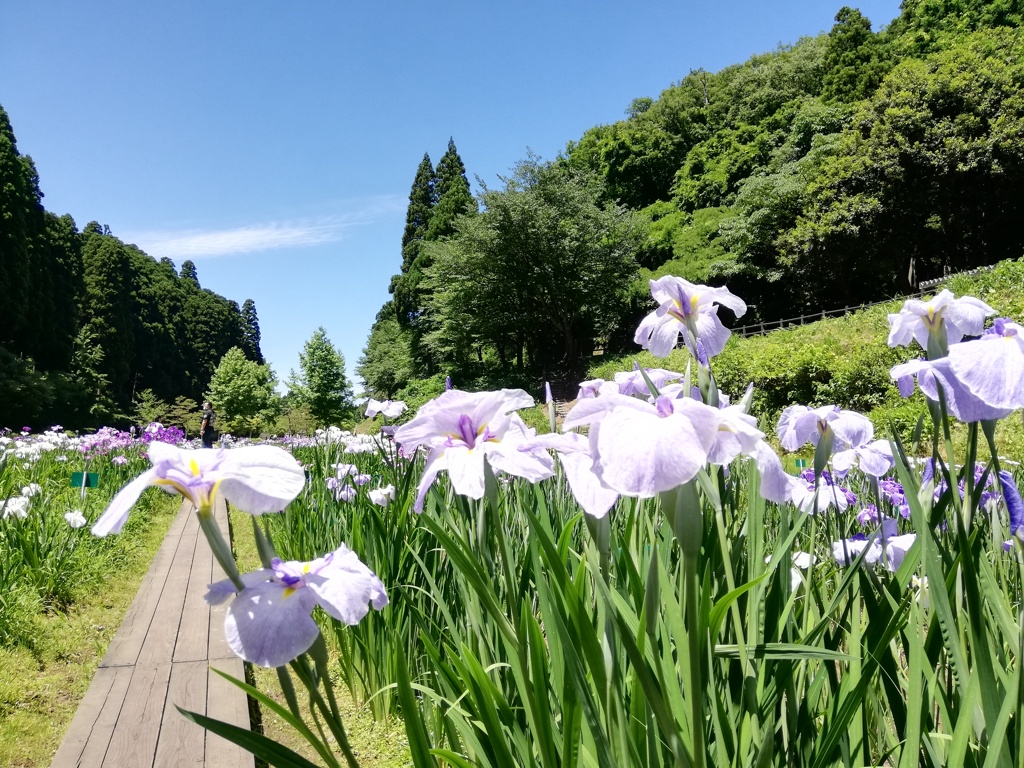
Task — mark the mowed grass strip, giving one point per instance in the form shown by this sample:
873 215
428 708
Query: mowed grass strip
43 678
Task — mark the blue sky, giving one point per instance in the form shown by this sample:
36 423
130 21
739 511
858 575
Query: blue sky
274 143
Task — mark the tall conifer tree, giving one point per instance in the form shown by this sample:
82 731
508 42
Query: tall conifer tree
251 332
417 219
453 195
188 272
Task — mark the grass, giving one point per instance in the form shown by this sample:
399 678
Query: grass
43 679
377 744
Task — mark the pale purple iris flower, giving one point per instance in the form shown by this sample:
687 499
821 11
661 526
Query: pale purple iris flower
633 383
932 374
992 367
641 449
462 430
573 451
391 409
919 319
800 424
690 309
270 621
344 493
883 545
256 479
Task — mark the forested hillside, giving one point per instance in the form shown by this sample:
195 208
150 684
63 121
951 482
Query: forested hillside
841 169
91 325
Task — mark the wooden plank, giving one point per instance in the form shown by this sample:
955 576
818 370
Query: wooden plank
193 641
183 743
226 702
127 642
158 645
87 738
133 744
178 523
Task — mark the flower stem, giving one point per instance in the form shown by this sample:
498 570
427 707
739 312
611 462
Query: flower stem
220 547
695 688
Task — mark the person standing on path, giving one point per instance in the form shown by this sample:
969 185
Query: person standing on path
207 429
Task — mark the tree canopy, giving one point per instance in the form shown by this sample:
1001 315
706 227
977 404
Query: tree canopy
321 384
841 169
91 322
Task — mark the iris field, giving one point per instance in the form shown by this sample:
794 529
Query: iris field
647 583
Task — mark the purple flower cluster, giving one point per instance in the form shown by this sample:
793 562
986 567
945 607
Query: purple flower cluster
104 441
893 492
159 433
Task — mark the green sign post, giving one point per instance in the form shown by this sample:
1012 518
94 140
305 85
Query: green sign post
85 479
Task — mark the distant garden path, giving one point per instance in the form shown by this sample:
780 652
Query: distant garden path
161 657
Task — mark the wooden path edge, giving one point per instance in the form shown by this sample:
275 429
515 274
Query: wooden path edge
163 655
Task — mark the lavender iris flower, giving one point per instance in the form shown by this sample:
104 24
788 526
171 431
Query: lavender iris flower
270 621
931 374
256 479
874 458
919 319
462 430
868 515
992 367
690 309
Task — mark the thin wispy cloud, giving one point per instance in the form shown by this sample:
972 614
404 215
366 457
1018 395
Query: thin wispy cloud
263 236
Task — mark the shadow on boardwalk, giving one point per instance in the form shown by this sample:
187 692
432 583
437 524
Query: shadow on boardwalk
161 657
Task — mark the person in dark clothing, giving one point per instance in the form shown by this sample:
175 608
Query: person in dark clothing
207 430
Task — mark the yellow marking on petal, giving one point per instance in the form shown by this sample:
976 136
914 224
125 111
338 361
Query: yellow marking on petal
195 467
305 568
693 302
288 592
176 486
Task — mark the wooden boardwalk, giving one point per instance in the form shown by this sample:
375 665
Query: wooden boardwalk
161 656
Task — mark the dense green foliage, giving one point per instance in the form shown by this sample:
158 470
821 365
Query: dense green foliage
843 169
90 322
